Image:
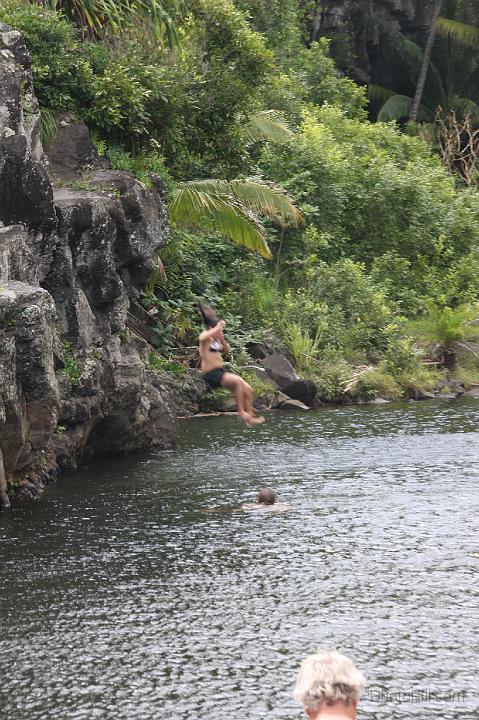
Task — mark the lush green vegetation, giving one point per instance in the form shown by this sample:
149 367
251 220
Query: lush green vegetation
370 271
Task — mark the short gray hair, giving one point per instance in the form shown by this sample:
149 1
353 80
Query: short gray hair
327 678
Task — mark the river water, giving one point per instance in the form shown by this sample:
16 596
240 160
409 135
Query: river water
132 590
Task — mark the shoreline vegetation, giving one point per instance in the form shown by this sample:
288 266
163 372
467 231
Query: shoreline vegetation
348 245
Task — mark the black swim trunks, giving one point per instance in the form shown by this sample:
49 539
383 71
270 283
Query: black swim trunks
213 377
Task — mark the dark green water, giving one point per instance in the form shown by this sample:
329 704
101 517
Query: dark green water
122 599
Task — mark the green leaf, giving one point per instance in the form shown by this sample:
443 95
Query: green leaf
192 207
117 15
267 200
267 125
398 107
458 32
465 106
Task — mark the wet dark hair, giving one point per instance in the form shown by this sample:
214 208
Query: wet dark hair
266 496
207 315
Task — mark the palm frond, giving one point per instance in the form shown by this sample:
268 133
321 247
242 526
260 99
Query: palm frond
408 50
465 106
459 32
377 93
267 125
396 107
196 208
267 200
259 198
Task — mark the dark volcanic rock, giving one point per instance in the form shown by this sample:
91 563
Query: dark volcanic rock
284 375
16 259
280 369
25 192
71 151
74 378
29 398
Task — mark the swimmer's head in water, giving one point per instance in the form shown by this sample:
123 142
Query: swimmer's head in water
207 315
266 497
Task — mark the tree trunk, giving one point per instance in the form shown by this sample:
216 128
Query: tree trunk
426 60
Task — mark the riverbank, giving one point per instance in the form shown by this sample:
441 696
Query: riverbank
98 318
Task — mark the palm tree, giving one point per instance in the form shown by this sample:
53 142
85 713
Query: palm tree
232 208
448 79
425 61
98 16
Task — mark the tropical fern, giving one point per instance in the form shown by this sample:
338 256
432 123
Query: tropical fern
232 208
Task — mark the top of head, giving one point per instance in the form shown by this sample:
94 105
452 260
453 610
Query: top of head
207 315
266 496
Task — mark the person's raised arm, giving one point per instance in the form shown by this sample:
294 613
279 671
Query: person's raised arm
216 330
221 338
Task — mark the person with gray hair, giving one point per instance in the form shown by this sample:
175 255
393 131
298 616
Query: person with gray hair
329 686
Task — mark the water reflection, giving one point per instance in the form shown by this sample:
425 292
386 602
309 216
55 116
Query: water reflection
122 599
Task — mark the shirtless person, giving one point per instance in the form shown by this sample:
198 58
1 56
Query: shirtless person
212 344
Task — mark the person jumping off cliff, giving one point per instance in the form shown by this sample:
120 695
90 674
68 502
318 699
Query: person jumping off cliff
212 345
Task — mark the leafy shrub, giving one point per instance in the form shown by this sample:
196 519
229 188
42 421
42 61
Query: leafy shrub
141 165
355 312
304 348
324 83
57 62
372 191
214 400
119 101
331 375
374 383
155 362
401 356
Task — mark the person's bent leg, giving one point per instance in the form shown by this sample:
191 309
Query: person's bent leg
249 406
235 384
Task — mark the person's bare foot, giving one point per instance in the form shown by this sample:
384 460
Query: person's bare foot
258 420
247 419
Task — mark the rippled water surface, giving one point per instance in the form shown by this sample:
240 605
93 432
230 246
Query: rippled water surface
132 591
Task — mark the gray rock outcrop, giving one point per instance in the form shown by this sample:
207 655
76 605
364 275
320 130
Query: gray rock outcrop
75 381
288 381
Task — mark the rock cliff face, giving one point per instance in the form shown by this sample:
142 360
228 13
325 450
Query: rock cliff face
74 380
358 29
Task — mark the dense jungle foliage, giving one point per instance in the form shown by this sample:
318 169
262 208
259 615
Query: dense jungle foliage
372 284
